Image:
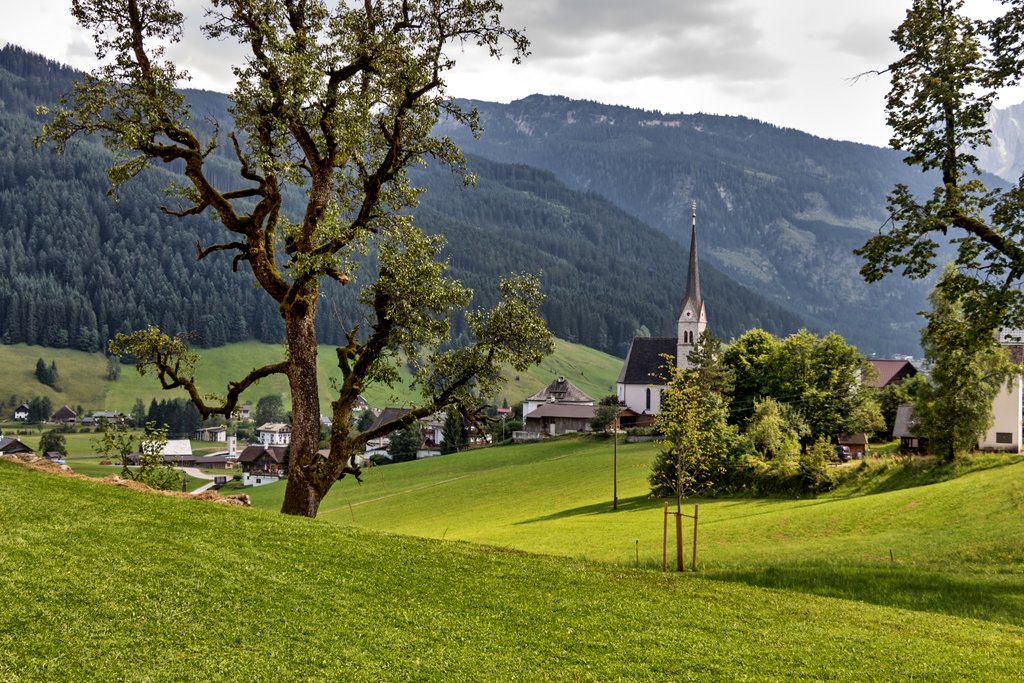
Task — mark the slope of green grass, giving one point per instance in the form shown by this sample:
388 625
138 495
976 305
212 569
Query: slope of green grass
83 376
102 583
956 546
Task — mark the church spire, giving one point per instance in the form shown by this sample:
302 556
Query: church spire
693 280
692 318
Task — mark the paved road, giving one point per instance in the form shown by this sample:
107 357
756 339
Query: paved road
196 474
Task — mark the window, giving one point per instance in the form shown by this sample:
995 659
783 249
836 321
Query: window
648 399
1004 437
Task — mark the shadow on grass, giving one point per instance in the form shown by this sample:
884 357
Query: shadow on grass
992 597
625 505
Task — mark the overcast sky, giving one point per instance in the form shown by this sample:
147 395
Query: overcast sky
788 62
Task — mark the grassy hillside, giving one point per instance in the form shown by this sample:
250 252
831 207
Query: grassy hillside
957 546
84 383
108 583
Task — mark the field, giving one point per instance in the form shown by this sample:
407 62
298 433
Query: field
955 545
84 383
103 583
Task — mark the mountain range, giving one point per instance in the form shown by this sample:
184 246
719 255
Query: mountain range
595 198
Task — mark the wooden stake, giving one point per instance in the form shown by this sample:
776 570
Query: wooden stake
664 542
693 559
679 542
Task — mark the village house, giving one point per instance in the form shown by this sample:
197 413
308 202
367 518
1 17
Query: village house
215 434
431 430
21 412
104 417
645 374
891 372
1004 434
262 464
65 416
552 419
9 446
274 434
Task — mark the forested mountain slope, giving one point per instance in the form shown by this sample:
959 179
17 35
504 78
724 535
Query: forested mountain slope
778 210
81 267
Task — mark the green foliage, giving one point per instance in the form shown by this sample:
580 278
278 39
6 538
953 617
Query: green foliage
605 413
772 433
454 436
39 409
815 475
149 467
49 375
954 408
269 408
942 88
404 443
113 372
697 438
53 441
819 378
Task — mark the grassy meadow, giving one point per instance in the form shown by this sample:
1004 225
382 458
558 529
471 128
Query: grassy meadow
83 376
105 583
899 532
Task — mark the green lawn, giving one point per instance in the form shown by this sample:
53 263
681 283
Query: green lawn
83 376
954 546
101 583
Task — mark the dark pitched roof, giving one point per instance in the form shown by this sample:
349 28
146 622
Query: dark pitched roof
10 446
855 439
253 453
892 372
645 363
387 415
23 408
561 390
64 414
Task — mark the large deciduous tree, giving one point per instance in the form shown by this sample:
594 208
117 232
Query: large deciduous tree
334 101
943 85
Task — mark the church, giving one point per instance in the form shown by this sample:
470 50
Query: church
644 375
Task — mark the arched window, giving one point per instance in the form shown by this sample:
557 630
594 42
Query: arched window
648 399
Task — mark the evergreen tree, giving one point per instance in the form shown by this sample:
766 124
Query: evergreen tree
453 436
404 443
53 441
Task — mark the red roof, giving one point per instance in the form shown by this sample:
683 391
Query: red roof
892 372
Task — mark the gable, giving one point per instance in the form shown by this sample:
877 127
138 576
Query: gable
646 363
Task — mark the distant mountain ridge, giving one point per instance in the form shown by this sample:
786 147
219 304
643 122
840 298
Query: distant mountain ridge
779 210
1005 155
81 267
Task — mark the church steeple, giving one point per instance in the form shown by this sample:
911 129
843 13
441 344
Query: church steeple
692 317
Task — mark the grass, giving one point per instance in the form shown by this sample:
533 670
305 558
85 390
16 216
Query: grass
105 583
909 533
83 376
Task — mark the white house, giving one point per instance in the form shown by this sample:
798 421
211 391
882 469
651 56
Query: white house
645 373
274 434
1004 434
21 412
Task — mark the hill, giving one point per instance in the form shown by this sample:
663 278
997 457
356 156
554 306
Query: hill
83 376
108 583
81 268
882 538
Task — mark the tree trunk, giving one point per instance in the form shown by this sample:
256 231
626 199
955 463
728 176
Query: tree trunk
305 487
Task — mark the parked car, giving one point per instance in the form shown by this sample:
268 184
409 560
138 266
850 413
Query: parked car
843 453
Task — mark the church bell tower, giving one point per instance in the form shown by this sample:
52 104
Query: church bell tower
692 317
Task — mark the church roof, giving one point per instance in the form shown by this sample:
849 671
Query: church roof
645 362
561 390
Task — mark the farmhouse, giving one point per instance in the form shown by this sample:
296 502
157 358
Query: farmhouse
905 429
10 446
891 372
65 415
262 464
560 418
216 434
1005 432
561 391
274 434
644 374
21 412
